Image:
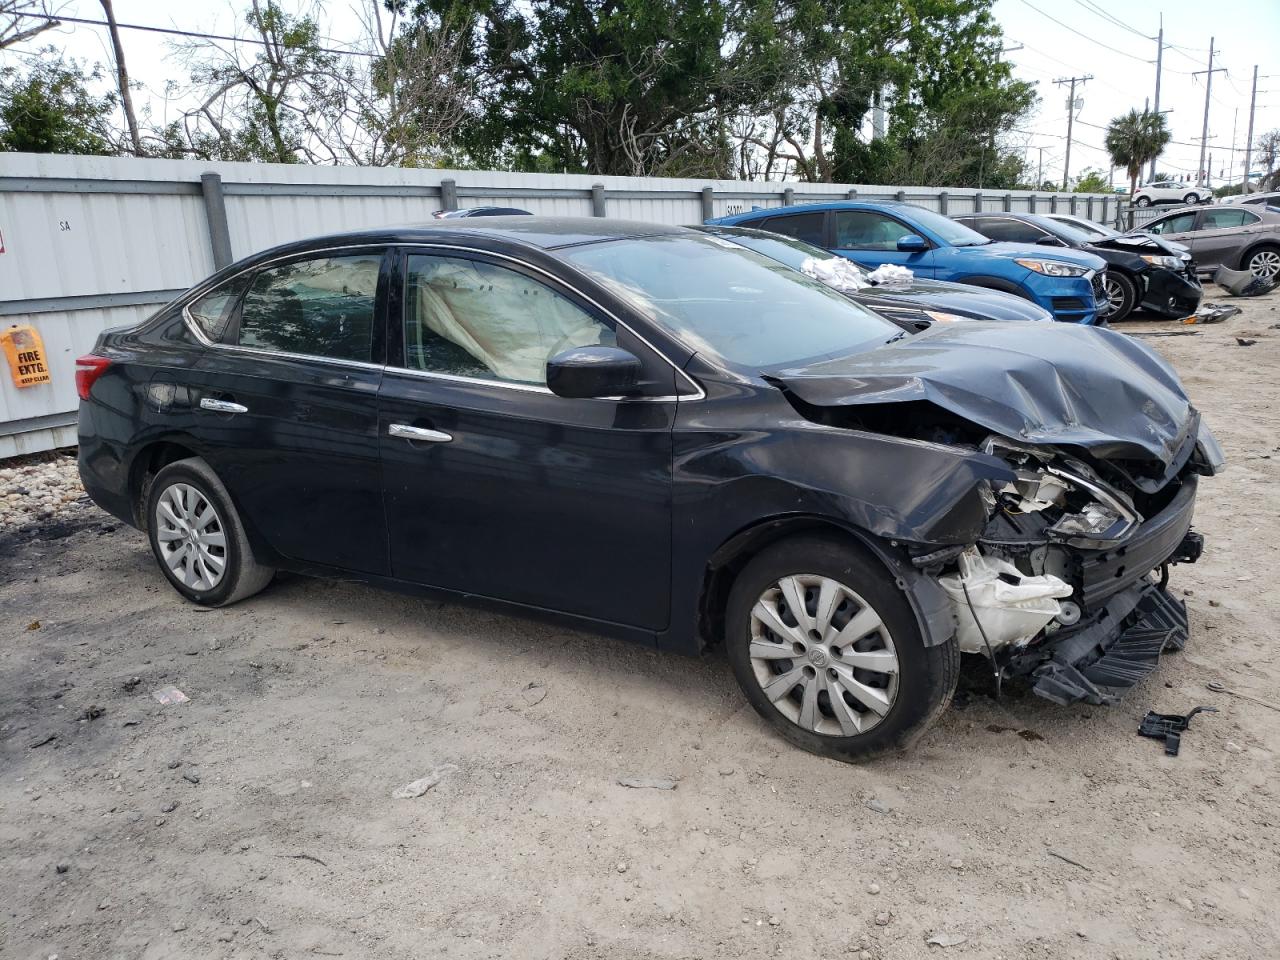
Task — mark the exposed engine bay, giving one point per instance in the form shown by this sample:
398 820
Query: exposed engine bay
1067 582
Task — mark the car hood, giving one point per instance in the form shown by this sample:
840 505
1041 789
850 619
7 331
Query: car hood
1012 251
953 298
1043 384
1144 243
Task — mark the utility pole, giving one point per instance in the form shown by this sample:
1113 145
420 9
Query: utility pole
1040 169
1071 115
122 78
1159 63
1248 141
1208 88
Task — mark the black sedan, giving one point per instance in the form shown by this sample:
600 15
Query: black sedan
1142 270
657 434
915 302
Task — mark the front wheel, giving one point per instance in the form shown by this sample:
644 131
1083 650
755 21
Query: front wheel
197 537
1264 263
1191 198
1121 295
828 651
1142 202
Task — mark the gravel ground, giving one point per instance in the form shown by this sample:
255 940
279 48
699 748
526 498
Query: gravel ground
39 487
257 819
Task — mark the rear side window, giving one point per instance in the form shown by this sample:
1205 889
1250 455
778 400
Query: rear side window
212 313
1012 231
1224 219
802 226
321 308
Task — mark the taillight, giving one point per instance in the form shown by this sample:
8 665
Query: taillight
88 369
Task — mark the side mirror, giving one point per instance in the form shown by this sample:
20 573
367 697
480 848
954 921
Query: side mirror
1049 241
912 243
583 372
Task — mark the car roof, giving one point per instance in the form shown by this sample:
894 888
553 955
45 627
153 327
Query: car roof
824 205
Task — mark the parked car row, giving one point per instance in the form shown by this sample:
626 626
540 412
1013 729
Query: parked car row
672 436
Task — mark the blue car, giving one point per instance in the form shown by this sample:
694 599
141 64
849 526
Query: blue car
1067 283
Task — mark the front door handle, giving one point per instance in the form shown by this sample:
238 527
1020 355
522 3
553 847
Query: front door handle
407 432
222 406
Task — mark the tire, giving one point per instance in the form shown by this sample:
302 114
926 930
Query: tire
1142 202
178 500
911 700
1121 296
1263 262
1191 198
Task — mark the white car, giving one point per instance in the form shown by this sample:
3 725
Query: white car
1170 191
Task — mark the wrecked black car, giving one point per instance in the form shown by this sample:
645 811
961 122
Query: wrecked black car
654 433
1142 269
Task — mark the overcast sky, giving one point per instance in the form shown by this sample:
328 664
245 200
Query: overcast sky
1082 41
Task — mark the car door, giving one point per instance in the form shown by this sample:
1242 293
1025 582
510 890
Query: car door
870 238
1221 232
1178 227
285 403
494 486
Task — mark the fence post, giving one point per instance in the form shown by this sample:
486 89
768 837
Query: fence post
977 202
597 200
1072 204
900 196
1053 204
215 209
943 197
788 197
1088 207
708 203
1008 203
449 194
1031 203
852 194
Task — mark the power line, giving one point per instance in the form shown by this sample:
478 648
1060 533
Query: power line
182 33
1064 26
1093 8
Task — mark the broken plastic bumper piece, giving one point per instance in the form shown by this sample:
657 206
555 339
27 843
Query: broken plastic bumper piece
1169 727
1103 659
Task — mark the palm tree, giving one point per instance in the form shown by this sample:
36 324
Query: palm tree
1134 140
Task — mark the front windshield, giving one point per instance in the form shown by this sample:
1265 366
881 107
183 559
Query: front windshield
1064 231
722 299
1091 229
956 234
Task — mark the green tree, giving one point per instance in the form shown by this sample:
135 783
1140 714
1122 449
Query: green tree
1092 181
1134 140
49 109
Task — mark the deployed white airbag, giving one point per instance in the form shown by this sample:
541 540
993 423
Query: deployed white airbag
1012 608
837 273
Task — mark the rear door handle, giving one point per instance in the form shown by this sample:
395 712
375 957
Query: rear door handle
222 406
407 432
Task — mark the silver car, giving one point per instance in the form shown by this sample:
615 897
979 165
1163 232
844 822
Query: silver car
1237 236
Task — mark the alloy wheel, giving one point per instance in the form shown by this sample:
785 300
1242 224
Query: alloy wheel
1265 264
823 656
193 540
1115 296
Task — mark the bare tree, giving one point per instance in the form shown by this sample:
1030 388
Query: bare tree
23 19
122 78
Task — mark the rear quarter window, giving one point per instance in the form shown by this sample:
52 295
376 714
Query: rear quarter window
213 312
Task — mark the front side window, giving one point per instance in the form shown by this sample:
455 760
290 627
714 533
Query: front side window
469 318
801 226
1225 219
320 308
1179 224
865 230
1011 231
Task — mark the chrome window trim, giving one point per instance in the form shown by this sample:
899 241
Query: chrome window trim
207 287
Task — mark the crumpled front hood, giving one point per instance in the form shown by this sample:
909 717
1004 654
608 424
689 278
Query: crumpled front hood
1036 383
955 298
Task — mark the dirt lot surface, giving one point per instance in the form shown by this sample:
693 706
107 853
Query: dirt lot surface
257 819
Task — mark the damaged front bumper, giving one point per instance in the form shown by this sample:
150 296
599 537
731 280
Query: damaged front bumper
1170 293
1127 618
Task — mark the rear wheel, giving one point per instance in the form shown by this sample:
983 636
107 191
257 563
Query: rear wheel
1142 202
1191 198
197 537
828 651
1264 263
1121 295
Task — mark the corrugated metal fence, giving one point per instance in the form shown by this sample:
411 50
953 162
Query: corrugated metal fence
92 242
